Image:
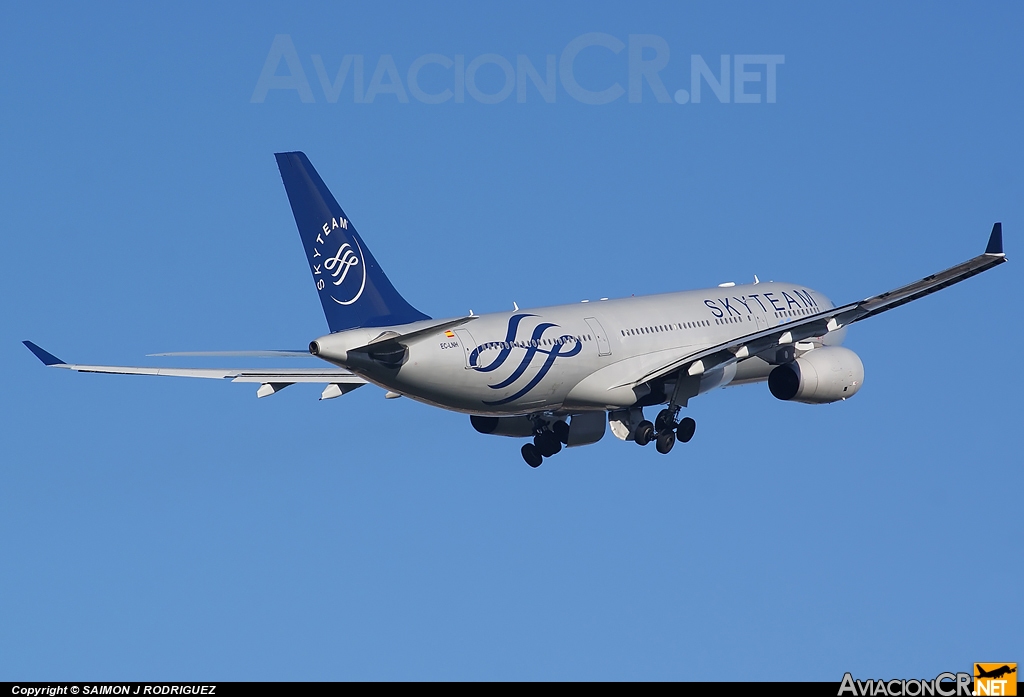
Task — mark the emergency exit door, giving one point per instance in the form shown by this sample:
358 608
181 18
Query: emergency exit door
597 331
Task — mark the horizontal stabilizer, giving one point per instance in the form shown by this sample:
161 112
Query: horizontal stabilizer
290 376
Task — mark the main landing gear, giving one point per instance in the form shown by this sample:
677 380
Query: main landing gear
665 430
547 442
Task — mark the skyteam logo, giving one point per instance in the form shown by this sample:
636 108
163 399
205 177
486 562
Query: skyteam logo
343 273
551 348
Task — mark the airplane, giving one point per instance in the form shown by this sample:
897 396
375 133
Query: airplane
995 673
561 375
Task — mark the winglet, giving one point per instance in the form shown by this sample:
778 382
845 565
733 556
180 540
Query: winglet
995 240
45 356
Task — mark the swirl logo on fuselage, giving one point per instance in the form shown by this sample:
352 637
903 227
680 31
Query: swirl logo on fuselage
563 346
348 257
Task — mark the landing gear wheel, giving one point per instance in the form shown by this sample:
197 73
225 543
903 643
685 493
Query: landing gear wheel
666 439
532 456
664 421
547 443
644 433
685 429
561 431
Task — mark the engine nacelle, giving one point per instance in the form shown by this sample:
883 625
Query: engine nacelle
824 375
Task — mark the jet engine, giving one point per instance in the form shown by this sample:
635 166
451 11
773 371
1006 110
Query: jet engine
820 376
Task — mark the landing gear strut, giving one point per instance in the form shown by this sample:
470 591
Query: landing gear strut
664 420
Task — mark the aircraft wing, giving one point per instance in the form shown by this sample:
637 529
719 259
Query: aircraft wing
788 333
271 381
290 353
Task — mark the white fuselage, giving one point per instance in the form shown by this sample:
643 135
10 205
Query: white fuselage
580 357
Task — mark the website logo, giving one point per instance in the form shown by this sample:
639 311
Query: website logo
943 685
989 679
995 679
633 70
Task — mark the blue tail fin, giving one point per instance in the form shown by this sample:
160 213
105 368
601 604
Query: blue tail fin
353 289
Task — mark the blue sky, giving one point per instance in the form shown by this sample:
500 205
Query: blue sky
174 529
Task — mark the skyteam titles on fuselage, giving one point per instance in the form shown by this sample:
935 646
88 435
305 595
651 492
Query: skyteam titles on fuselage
721 307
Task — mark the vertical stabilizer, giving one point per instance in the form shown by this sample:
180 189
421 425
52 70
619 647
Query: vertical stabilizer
353 289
